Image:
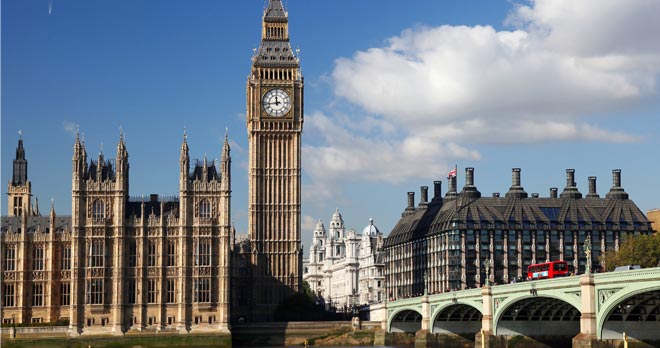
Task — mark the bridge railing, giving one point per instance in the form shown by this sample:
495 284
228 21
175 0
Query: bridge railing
644 274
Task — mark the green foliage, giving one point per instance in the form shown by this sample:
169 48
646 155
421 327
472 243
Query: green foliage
307 290
634 250
301 307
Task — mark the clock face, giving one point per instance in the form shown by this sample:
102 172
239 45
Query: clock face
276 102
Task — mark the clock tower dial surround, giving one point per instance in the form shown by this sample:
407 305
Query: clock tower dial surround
274 119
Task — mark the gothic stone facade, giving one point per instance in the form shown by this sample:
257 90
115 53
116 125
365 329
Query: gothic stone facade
274 119
120 263
345 268
441 244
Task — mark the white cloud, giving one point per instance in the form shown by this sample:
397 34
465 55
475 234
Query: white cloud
345 155
70 128
431 97
308 224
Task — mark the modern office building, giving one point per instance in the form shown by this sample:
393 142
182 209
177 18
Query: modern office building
441 244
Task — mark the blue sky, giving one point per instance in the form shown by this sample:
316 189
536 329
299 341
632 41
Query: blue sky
396 93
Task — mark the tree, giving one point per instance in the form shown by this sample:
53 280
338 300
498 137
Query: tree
643 250
307 290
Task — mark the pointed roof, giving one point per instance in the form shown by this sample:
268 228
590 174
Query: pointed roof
275 11
275 48
569 212
226 149
337 221
319 229
184 146
19 177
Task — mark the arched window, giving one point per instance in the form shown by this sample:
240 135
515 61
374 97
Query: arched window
204 209
98 210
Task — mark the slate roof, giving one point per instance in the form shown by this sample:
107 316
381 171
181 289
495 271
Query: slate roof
35 223
275 52
471 211
169 207
275 12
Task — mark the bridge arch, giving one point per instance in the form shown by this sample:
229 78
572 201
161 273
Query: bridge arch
544 315
638 304
405 320
456 318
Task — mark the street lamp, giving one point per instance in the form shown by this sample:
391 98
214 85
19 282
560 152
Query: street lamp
587 251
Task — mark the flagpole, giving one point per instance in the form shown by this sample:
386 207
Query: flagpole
456 188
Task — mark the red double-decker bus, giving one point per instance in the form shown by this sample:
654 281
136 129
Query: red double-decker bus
552 269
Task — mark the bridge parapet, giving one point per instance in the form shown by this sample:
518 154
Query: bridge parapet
593 298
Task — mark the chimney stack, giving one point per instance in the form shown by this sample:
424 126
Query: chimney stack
570 177
437 190
424 199
452 191
469 176
616 178
516 191
515 177
616 192
553 192
411 200
470 191
592 188
411 204
425 194
570 191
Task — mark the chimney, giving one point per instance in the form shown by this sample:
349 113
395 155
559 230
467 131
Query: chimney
437 189
470 191
515 177
469 176
616 192
592 188
516 191
411 200
451 191
424 194
424 199
553 192
570 177
570 191
496 195
616 178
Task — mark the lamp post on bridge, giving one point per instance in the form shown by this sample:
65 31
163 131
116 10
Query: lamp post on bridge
486 263
587 251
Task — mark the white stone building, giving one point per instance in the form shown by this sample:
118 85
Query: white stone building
346 268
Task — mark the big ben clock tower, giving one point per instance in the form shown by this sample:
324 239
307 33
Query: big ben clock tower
274 124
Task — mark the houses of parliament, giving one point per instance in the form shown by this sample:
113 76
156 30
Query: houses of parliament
168 264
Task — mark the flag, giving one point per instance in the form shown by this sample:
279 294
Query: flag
452 174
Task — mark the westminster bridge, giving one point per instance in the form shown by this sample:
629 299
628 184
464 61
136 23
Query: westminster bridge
589 309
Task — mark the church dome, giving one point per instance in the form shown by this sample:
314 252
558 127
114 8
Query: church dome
371 229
